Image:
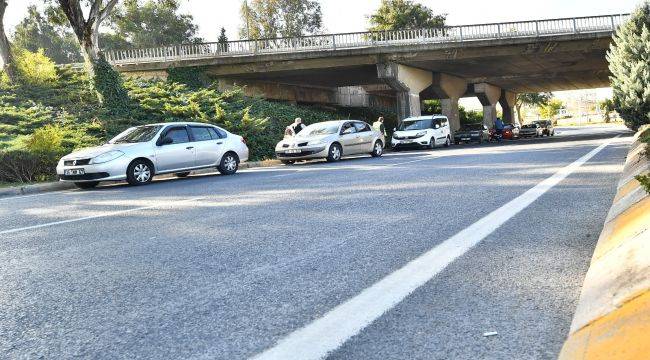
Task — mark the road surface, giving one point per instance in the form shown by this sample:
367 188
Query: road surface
413 255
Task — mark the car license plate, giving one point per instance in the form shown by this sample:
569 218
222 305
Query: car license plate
293 151
407 141
74 172
464 139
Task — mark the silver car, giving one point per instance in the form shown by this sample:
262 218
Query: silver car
331 140
139 153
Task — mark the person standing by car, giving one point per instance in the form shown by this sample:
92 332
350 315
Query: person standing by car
297 126
379 125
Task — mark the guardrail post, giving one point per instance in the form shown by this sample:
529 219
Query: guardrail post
498 30
575 27
334 42
460 31
537 28
611 19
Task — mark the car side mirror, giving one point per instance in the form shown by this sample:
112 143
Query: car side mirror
394 129
436 126
165 141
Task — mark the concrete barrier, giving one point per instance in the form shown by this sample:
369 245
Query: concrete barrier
612 320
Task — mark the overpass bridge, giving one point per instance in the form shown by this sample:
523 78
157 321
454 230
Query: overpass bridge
493 62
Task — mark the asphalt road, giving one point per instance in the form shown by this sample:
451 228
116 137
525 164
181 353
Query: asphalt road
299 257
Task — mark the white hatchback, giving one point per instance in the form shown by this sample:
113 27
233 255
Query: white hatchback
422 131
141 152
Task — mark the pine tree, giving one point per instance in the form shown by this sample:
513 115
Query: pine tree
629 63
223 40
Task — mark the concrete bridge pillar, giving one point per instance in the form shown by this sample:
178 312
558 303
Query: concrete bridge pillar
489 96
408 82
507 102
450 89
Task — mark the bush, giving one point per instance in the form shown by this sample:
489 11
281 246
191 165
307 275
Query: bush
22 166
34 68
108 83
46 140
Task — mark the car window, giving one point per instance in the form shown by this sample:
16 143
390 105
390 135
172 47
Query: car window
201 133
178 135
361 126
347 126
441 122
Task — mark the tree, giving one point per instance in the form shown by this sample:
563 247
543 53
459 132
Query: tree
6 58
530 99
606 106
549 110
223 40
629 65
149 24
280 18
404 14
87 30
42 31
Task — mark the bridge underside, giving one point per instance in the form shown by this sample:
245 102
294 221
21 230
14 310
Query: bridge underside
477 68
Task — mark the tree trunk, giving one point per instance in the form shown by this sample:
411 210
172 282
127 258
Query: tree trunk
519 116
6 59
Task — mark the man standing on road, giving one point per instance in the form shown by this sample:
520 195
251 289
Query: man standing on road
297 126
379 125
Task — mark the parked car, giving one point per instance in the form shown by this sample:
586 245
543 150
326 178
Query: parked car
530 130
331 140
141 152
547 127
422 131
511 132
472 133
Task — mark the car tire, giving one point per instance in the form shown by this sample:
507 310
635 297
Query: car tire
86 184
229 163
448 142
139 172
183 174
432 144
288 162
377 149
334 153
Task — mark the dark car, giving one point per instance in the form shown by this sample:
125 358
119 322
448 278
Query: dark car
547 127
473 132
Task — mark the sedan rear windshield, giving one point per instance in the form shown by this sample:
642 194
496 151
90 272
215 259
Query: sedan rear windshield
136 135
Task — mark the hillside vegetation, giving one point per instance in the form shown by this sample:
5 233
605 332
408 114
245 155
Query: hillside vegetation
53 111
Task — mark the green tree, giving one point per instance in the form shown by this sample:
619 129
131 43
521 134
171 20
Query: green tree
40 31
150 23
629 63
270 19
404 14
549 110
530 99
606 106
223 39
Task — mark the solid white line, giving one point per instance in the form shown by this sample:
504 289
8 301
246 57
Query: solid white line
328 333
106 214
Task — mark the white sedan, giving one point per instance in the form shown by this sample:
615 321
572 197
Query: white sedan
139 153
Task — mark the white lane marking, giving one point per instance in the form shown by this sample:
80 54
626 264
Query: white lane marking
106 214
328 333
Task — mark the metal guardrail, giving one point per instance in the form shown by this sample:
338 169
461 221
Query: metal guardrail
447 34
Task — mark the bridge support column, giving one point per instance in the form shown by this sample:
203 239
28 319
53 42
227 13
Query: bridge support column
450 89
489 96
408 82
507 102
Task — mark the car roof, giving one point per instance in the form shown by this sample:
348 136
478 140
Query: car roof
336 121
425 117
179 123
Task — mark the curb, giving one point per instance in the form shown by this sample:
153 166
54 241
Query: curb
59 185
612 320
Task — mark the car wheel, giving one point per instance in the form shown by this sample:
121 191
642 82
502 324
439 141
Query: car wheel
139 172
182 174
378 149
86 184
334 153
432 143
287 162
229 164
447 142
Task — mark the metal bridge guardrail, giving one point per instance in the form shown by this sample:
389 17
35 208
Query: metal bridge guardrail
446 34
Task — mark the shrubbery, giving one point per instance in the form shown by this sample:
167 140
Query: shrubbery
34 68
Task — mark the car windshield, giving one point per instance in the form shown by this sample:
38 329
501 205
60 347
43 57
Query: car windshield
415 125
136 134
529 126
472 127
319 129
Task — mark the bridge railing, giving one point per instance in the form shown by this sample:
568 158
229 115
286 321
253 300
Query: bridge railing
447 34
